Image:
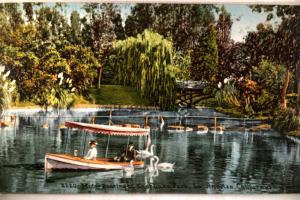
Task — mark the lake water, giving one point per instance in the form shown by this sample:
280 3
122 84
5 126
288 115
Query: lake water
235 162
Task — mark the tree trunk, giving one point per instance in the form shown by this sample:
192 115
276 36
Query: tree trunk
284 89
99 77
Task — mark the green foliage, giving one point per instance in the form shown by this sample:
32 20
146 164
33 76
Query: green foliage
205 57
83 66
146 63
270 77
225 44
183 63
228 96
286 120
242 94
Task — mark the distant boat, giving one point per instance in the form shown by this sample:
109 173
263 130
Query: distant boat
216 130
45 126
202 129
179 128
62 126
4 124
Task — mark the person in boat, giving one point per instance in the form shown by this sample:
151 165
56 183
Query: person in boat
127 154
92 153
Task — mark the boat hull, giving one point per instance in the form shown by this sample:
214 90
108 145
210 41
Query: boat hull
68 162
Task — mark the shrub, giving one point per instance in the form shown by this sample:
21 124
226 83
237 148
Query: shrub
286 120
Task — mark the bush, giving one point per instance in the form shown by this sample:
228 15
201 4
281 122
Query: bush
286 120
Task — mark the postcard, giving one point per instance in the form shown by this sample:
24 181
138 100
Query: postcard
149 98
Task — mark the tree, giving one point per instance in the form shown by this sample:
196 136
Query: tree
28 8
224 43
75 28
119 29
142 17
205 56
286 44
101 21
146 63
83 66
15 16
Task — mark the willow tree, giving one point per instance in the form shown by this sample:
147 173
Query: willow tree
145 62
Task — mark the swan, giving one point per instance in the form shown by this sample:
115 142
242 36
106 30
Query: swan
129 170
165 167
151 168
152 171
162 123
202 129
145 153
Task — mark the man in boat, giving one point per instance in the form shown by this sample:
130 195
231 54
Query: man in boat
127 154
92 153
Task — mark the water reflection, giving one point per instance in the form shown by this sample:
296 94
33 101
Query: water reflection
235 162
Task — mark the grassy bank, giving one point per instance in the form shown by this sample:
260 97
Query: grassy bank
116 95
107 96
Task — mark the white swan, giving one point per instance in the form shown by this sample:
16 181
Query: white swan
129 170
151 168
143 154
162 123
165 167
152 171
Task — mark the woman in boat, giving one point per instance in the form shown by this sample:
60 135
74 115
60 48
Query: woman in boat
92 153
131 152
127 154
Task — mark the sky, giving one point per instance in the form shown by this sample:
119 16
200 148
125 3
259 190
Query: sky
248 20
244 20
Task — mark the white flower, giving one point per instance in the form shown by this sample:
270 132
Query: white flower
11 89
13 82
73 89
226 80
60 75
61 81
219 85
241 78
5 85
2 68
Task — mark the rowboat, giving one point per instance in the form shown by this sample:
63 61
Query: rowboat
54 161
69 162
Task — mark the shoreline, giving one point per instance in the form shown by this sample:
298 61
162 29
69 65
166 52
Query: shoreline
86 106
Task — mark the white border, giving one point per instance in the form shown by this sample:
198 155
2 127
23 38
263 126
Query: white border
274 2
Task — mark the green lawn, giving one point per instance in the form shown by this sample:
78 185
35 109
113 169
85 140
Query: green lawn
116 95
